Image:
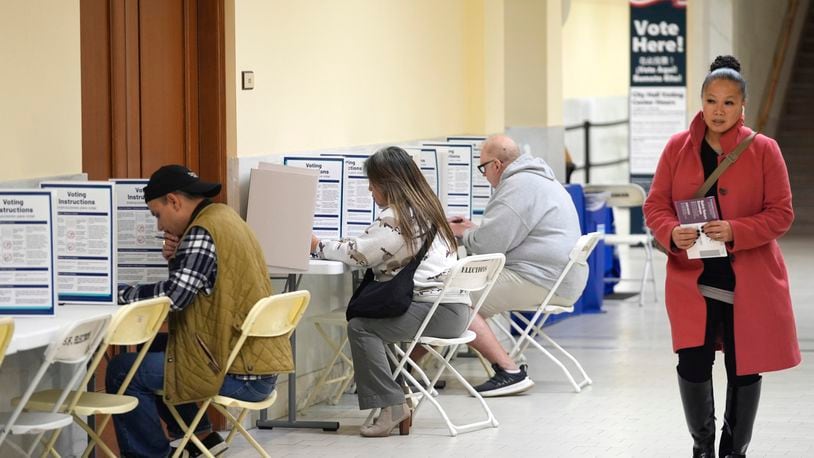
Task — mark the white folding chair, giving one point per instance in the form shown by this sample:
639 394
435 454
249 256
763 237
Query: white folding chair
132 324
339 359
630 195
474 273
534 326
74 345
273 316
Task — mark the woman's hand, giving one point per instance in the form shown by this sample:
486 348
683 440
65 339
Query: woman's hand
169 246
718 230
684 237
314 243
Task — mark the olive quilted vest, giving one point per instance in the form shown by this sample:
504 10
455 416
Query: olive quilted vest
202 335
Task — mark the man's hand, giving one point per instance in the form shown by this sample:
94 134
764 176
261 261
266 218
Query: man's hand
171 243
460 225
684 237
314 243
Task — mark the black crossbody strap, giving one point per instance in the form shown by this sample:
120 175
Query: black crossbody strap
417 258
426 246
728 160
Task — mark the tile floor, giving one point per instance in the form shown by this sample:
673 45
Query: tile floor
632 408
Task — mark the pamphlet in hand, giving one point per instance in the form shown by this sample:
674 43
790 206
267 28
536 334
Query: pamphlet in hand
695 213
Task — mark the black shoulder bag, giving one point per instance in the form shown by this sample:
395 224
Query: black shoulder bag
386 299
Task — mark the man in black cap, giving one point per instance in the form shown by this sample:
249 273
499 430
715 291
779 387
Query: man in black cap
216 274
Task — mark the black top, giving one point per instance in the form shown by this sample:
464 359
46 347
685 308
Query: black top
717 271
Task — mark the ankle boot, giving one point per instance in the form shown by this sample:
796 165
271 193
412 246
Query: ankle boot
739 418
389 418
699 410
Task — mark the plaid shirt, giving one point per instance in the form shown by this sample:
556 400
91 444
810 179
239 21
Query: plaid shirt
192 271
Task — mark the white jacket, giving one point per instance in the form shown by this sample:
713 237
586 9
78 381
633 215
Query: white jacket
383 249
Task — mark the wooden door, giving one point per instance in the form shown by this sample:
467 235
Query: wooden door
153 93
153 87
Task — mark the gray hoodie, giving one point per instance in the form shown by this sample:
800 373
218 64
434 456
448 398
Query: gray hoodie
532 219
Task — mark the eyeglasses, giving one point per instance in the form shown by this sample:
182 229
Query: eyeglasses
482 167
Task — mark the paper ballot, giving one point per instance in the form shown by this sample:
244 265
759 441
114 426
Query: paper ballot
27 267
281 213
695 213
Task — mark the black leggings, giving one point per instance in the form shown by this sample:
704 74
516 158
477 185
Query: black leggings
695 364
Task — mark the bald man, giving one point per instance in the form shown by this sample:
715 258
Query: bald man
532 220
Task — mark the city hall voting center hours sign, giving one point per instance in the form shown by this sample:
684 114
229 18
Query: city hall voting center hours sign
658 84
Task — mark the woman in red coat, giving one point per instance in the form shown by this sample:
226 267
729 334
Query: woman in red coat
741 301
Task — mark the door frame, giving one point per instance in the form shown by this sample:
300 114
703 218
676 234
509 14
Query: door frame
110 114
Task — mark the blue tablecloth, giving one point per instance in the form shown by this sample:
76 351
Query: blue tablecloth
601 259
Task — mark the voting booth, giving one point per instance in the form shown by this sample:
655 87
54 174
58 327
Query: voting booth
281 213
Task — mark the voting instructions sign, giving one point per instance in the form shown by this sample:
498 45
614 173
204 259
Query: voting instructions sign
27 269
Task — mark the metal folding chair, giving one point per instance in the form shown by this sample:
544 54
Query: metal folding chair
533 327
474 273
630 195
339 359
73 346
133 324
273 316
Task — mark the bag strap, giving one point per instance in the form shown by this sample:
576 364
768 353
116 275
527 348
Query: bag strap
418 257
728 160
426 246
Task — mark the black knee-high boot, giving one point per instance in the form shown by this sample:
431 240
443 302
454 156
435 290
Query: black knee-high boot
699 410
739 418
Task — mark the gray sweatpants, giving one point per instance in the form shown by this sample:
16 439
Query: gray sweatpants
368 337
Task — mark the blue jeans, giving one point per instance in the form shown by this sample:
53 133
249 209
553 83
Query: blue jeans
139 431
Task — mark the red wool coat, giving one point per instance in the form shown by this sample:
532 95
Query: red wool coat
755 197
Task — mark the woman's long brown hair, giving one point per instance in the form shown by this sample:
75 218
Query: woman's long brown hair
394 173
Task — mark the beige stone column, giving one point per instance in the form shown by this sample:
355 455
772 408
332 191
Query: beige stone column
494 75
709 34
533 78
